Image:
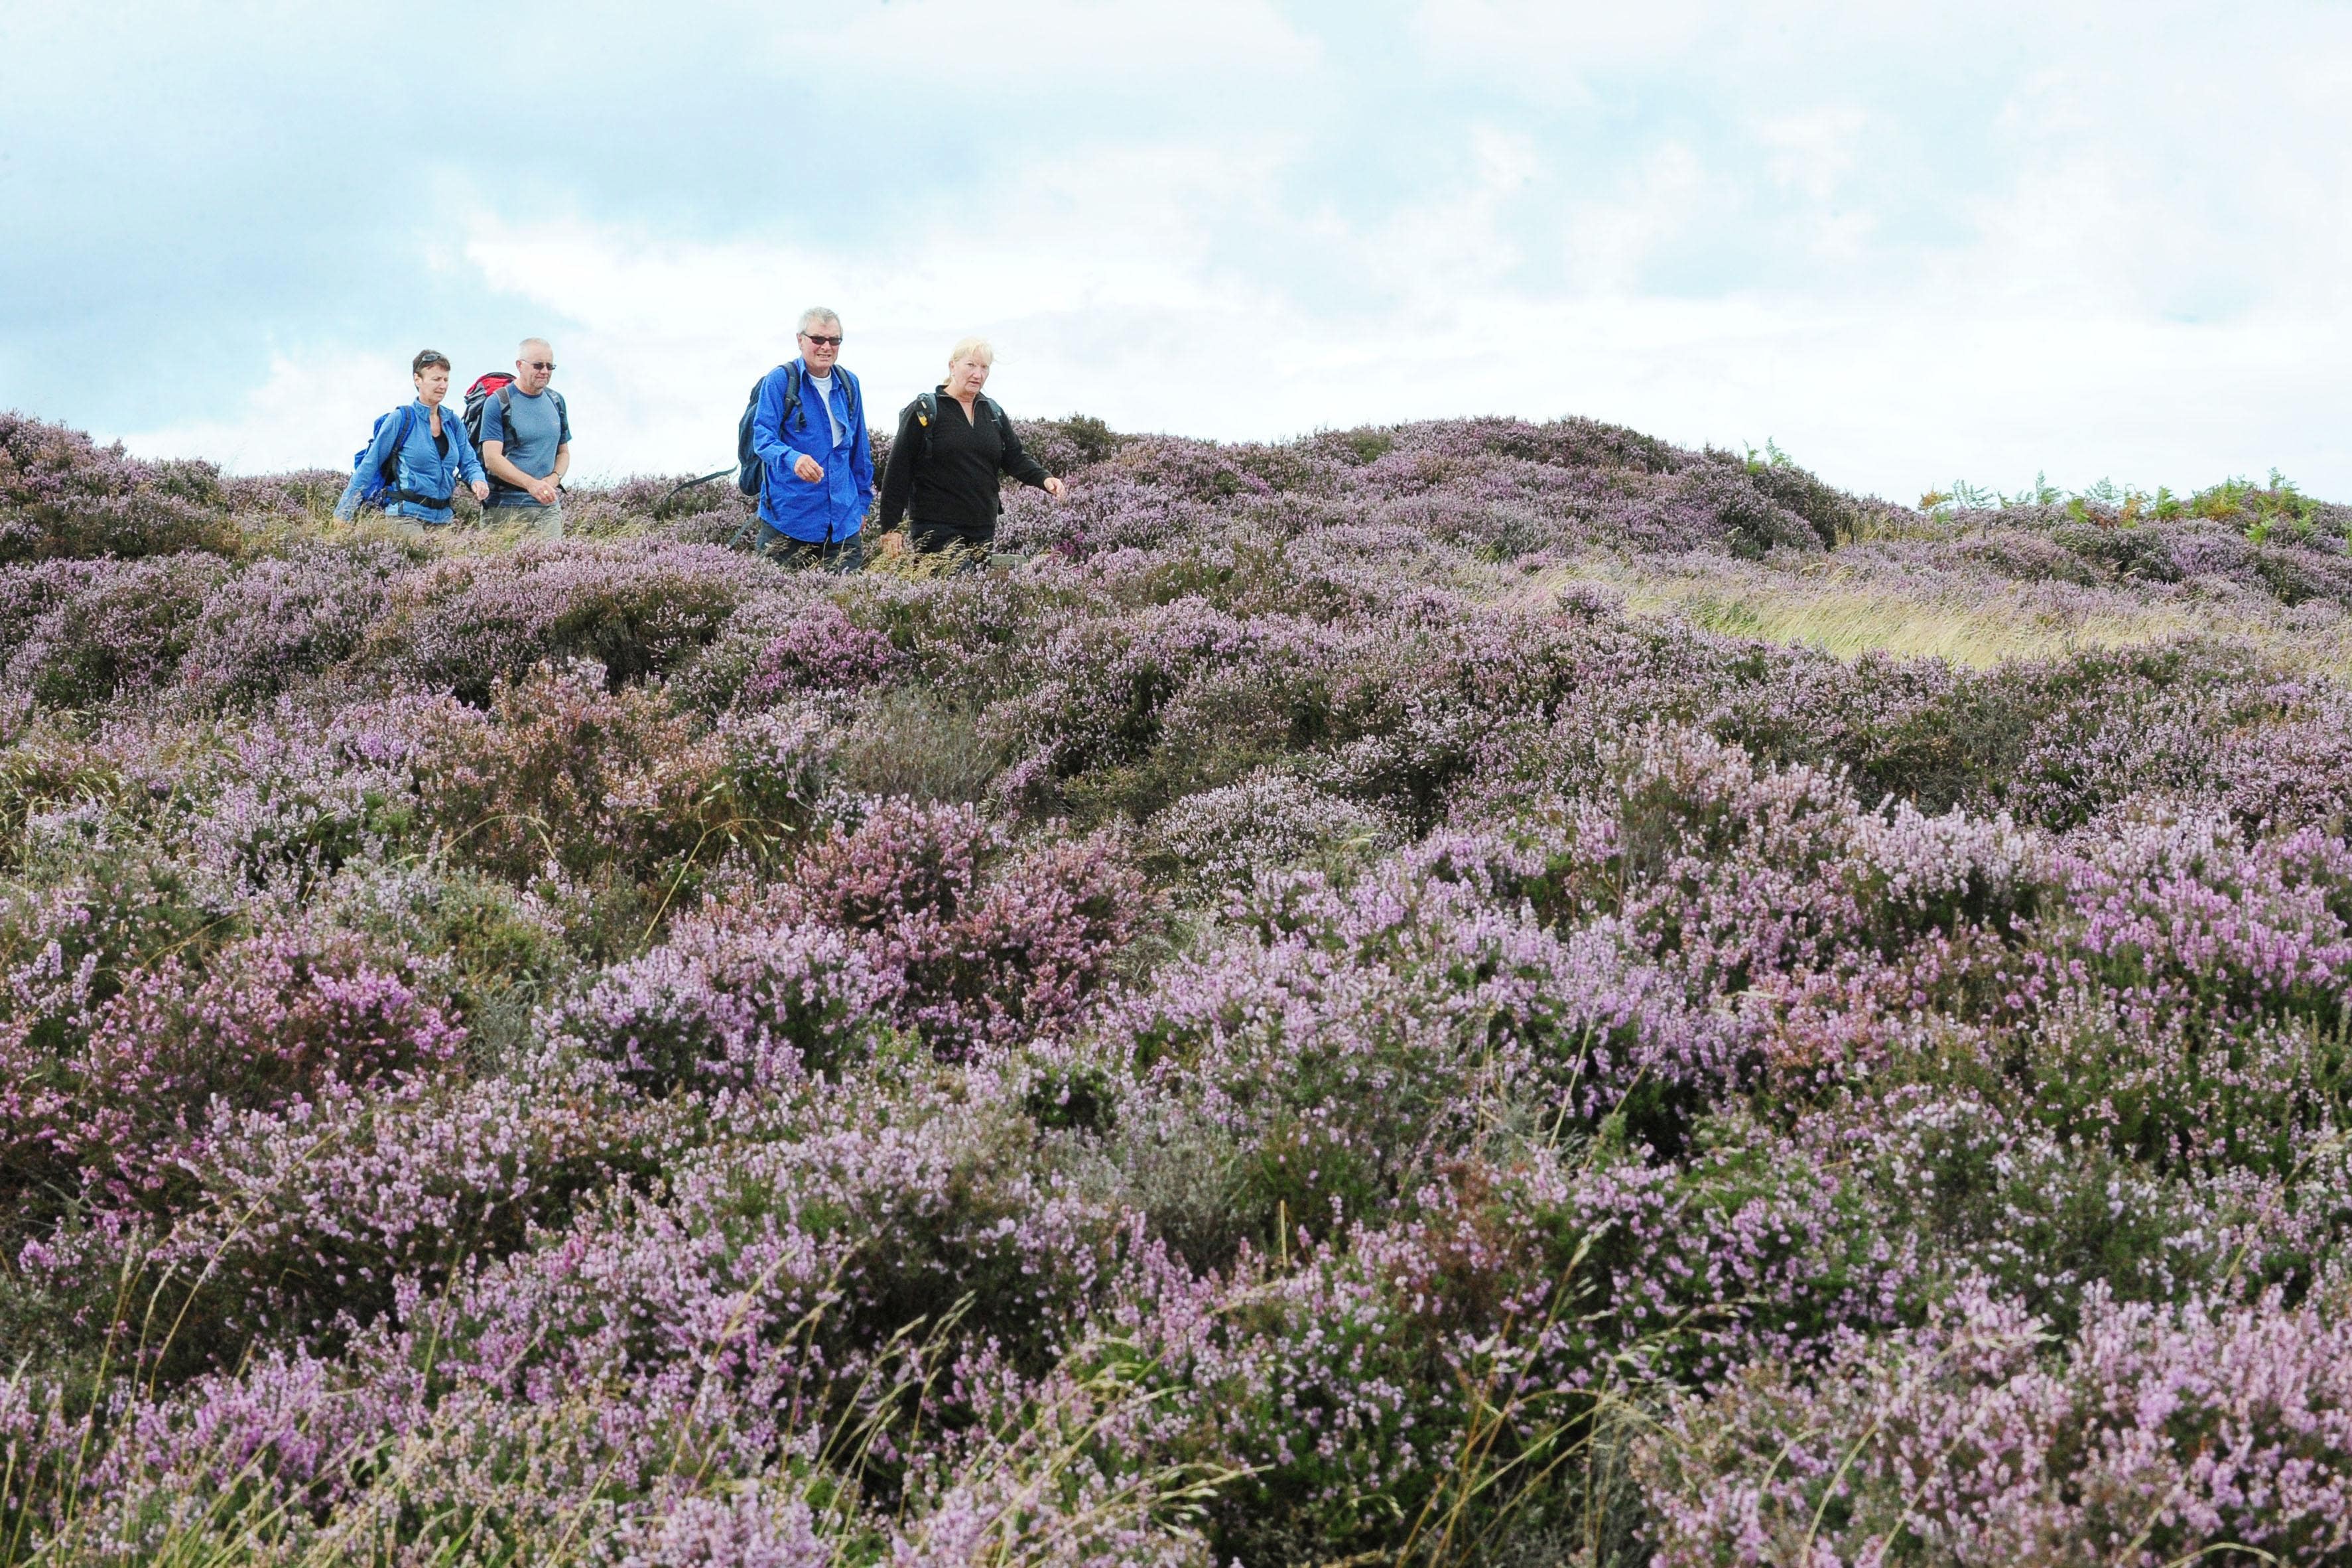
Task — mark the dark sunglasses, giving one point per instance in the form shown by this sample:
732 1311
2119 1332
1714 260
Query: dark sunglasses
831 342
539 363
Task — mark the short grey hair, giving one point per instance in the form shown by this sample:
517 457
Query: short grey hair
534 342
815 315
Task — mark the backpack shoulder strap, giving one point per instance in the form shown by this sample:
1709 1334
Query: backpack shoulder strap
927 413
390 470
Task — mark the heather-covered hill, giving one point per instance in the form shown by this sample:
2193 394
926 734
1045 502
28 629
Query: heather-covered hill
1469 993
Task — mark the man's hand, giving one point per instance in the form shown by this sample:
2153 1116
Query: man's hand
809 469
1054 486
542 492
481 490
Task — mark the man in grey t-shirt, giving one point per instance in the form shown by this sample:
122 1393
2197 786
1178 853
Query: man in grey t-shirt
527 443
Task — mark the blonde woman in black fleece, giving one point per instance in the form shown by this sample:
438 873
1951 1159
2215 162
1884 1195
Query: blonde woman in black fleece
953 449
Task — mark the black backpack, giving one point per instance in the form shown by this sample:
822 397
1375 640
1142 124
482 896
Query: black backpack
927 410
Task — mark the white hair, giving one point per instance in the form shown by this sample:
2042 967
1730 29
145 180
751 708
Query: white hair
815 315
534 342
980 349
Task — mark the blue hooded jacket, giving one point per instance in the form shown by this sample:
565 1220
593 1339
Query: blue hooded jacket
423 469
830 508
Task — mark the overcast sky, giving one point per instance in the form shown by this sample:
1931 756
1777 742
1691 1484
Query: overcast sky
1907 242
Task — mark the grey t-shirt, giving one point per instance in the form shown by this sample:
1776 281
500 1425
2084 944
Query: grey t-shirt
540 425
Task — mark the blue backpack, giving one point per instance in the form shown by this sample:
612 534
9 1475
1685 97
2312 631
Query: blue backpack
375 483
751 473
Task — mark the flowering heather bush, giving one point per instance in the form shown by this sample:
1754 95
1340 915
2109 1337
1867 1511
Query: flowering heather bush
1447 993
314 1213
1226 839
821 650
2152 1438
973 939
704 515
108 1098
560 773
290 800
465 621
62 495
282 619
730 1000
1354 1044
108 629
305 494
2187 912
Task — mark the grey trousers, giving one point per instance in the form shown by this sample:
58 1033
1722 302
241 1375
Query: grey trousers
538 521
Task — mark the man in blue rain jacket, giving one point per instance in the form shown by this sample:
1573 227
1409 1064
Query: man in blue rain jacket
819 464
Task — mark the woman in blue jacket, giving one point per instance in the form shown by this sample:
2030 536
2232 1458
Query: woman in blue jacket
418 452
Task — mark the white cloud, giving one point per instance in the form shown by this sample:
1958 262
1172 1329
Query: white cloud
1562 42
313 409
1610 241
1890 392
1022 45
2114 274
1091 259
1813 151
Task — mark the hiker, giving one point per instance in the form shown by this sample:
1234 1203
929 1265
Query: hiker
416 455
525 438
808 430
953 449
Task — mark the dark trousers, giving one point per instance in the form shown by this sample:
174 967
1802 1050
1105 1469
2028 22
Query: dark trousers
842 555
968 545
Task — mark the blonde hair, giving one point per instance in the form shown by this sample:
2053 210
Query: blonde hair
972 348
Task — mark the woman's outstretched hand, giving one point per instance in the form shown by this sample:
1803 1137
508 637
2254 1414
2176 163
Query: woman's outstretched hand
1054 486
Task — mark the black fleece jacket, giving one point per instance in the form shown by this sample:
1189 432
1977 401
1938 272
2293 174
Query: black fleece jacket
956 485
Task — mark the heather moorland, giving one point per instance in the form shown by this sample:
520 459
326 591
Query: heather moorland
1464 994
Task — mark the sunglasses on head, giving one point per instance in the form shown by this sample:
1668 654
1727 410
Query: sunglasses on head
831 342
